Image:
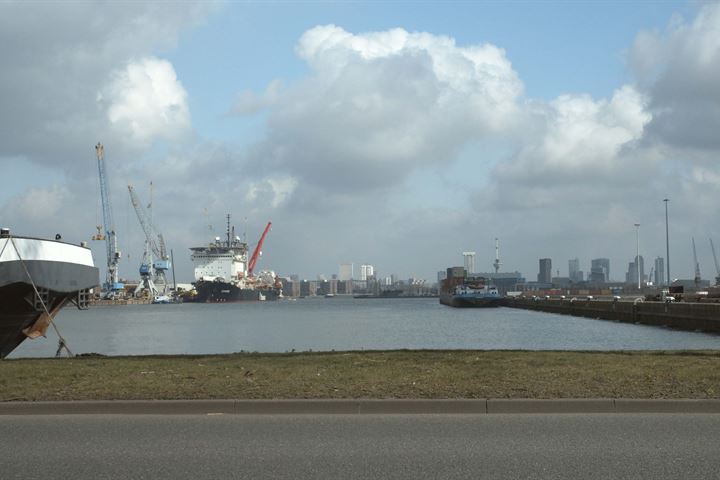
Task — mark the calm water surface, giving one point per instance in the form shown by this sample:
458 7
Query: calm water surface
341 324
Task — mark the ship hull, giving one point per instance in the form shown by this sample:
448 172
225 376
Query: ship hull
19 315
59 272
469 301
220 292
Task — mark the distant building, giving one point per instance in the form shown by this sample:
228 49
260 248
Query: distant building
574 270
659 271
455 272
290 287
308 288
366 271
345 286
345 272
636 270
545 274
469 262
599 270
504 281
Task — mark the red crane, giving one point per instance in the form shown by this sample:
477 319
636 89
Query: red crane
258 252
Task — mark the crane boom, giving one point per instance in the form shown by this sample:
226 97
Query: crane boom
152 272
157 244
110 237
257 252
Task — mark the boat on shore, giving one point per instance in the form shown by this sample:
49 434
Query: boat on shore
38 277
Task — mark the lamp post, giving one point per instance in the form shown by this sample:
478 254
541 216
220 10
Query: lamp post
637 253
667 242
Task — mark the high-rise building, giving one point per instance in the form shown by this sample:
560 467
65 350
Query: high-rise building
345 272
636 270
469 263
574 270
599 270
659 271
545 274
366 271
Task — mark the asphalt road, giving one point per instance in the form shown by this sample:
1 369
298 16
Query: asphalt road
571 446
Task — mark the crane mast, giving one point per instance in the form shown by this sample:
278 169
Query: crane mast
717 266
112 283
697 265
152 272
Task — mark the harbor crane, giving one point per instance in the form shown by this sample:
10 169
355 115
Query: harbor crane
717 266
113 287
258 250
697 265
152 272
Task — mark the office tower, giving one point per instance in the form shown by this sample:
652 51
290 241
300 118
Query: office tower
659 271
599 270
545 275
366 271
574 270
634 269
469 262
346 272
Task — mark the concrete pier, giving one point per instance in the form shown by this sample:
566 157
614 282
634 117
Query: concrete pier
681 315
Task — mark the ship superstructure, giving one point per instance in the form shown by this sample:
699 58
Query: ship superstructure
223 274
221 260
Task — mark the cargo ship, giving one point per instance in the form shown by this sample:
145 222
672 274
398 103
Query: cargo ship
460 290
224 274
471 295
38 277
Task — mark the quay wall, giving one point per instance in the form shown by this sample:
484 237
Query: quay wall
681 315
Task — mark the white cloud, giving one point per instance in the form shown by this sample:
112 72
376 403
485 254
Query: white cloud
36 206
379 105
57 56
272 192
578 138
680 69
249 103
147 101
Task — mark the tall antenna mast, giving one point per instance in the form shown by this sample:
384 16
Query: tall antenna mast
497 263
228 230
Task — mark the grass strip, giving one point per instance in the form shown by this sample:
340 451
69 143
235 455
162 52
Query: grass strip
367 374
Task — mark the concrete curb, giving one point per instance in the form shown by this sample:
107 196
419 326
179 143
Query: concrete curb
350 406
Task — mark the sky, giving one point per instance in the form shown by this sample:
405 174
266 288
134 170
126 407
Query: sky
397 134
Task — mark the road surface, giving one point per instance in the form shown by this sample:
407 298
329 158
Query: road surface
572 446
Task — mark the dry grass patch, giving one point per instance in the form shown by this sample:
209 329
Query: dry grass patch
380 374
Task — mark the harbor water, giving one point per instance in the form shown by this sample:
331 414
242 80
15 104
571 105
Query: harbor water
341 323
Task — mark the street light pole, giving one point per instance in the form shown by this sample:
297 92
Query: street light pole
667 242
637 253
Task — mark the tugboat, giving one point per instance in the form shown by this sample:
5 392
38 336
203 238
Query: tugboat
223 273
37 278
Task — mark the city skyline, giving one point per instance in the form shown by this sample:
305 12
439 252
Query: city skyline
399 134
